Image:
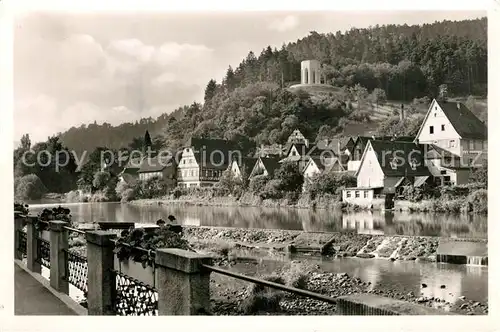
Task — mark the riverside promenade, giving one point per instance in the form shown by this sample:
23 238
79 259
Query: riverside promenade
32 298
175 282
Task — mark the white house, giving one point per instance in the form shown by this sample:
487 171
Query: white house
203 161
454 128
384 166
162 167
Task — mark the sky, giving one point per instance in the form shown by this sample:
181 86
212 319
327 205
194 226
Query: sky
76 68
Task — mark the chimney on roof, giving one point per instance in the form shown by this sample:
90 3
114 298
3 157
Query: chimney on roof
402 113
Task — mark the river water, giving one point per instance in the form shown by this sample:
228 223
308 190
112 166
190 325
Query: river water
388 223
469 281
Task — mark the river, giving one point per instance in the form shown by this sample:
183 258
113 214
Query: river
460 280
388 223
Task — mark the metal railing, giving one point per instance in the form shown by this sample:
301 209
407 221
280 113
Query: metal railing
77 266
22 244
43 250
134 297
270 284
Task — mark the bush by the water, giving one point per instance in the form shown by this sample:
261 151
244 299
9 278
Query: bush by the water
262 299
297 275
127 192
479 201
257 183
229 184
29 187
329 183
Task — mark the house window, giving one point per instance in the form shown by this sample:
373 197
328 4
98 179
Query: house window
435 114
435 107
413 164
431 129
348 193
472 145
452 143
293 153
442 127
357 194
443 172
366 193
184 161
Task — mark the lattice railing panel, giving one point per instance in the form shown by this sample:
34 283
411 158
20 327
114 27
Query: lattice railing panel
134 298
78 271
44 252
22 237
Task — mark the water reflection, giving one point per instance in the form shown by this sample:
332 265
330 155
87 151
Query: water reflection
406 276
389 223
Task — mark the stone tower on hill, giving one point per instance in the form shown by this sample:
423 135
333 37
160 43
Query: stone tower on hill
310 72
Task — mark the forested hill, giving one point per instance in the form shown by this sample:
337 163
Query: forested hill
250 105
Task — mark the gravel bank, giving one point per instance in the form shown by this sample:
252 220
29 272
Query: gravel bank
230 295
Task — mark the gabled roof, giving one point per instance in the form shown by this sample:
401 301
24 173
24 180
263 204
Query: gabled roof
270 164
300 147
246 164
323 164
155 164
213 153
466 123
401 155
433 151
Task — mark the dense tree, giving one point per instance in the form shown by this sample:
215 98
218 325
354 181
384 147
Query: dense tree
394 126
29 187
210 90
50 161
289 177
147 140
378 96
